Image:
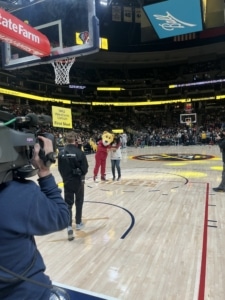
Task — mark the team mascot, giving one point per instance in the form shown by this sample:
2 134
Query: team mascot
101 154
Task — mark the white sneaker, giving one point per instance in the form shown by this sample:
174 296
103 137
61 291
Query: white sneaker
95 179
79 226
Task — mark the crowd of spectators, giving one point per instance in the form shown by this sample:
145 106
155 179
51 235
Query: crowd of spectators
147 129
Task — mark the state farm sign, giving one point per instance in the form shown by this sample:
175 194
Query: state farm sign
22 35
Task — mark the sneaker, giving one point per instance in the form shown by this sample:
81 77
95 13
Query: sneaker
118 179
79 226
114 178
103 178
95 179
70 234
218 189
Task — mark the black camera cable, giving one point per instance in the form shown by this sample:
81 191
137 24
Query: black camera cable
57 292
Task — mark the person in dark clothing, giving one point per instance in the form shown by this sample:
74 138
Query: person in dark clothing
221 144
73 166
26 210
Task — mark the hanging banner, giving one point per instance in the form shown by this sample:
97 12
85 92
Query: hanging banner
127 14
116 13
138 12
21 35
175 17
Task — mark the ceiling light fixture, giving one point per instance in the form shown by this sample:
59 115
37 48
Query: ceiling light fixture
104 2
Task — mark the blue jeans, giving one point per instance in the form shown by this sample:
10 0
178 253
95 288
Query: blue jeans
115 164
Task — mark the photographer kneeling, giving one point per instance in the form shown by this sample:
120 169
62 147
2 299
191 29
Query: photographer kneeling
26 210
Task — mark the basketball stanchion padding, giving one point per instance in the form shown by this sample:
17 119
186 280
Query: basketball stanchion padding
62 70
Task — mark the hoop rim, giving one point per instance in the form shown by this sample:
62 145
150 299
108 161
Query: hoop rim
65 60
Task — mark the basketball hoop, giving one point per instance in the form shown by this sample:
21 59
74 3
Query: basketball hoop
62 70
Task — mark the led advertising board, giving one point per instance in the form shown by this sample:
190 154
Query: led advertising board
175 17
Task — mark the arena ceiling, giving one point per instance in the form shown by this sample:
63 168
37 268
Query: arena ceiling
134 45
142 59
137 43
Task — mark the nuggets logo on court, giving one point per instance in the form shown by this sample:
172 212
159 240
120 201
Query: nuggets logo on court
172 157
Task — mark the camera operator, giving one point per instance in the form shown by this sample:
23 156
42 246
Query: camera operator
26 210
221 143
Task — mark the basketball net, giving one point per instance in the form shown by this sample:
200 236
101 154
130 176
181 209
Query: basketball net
62 67
62 70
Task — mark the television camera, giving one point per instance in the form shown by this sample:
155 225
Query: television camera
18 136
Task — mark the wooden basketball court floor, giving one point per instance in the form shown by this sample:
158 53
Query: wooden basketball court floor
158 234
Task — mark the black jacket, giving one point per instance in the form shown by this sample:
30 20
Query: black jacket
72 163
221 144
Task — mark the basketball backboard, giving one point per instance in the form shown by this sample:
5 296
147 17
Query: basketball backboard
188 118
71 27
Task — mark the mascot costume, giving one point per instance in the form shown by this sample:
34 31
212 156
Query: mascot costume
101 154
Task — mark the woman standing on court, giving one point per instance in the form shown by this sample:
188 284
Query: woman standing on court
116 156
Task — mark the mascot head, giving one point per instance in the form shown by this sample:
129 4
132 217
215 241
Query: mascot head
107 138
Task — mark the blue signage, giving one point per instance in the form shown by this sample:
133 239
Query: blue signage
175 17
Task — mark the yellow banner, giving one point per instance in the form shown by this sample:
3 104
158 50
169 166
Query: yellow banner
117 130
61 117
